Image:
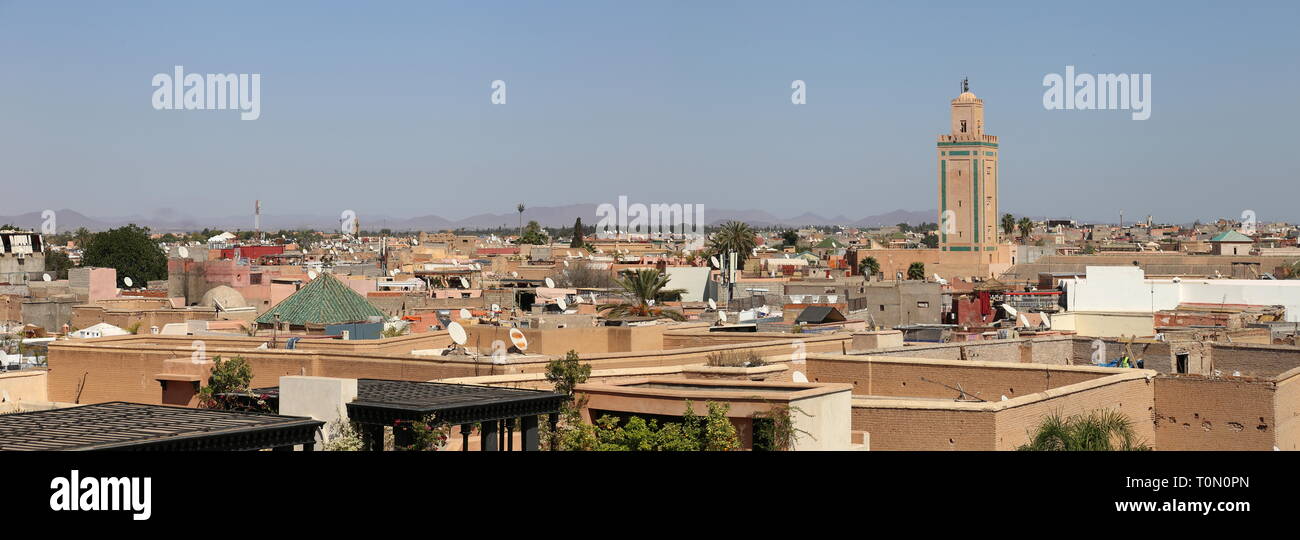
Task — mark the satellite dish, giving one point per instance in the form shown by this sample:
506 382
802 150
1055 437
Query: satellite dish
722 316
566 263
518 339
650 302
127 281
457 333
563 305
45 277
577 299
714 260
392 272
415 242
465 314
514 273
550 283
183 252
464 282
496 307
713 305
799 377
311 274
593 298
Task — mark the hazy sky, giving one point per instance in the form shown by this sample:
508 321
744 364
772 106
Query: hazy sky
384 107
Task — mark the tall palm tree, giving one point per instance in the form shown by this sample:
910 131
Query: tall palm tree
869 267
638 289
734 236
520 208
1026 226
1008 225
1097 430
916 271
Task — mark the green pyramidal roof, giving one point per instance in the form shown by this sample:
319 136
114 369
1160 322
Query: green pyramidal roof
325 300
1231 236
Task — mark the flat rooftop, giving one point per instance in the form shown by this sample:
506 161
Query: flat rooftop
134 426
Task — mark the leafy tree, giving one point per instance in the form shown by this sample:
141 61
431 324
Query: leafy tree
533 235
58 263
734 236
1026 226
1008 224
931 241
566 373
130 251
903 227
639 288
790 238
228 386
916 271
1102 430
577 241
714 433
869 266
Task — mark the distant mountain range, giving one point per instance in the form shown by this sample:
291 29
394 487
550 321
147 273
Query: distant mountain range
547 216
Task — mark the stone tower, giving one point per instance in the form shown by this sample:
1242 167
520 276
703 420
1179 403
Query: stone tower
968 180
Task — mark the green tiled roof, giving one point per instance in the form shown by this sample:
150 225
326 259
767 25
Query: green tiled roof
325 300
1231 236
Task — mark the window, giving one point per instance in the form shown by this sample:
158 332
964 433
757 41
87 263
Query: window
882 307
1180 362
922 304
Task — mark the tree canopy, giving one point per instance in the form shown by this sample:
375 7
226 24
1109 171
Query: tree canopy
130 251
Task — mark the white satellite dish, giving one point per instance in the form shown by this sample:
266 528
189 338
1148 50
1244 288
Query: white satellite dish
593 298
392 272
577 299
650 302
45 277
722 316
563 305
518 339
496 307
713 305
457 333
127 281
566 263
415 242
514 273
311 274
714 260
183 252
465 314
799 377
550 283
464 282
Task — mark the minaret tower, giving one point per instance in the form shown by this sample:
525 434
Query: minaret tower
968 179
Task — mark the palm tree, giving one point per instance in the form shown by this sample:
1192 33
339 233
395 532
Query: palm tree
734 236
639 288
1098 430
1008 225
916 271
1026 226
520 208
869 267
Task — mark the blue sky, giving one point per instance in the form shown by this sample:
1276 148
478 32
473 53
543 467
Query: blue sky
384 107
